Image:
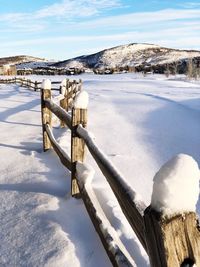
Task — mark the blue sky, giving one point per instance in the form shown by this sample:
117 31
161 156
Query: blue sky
61 29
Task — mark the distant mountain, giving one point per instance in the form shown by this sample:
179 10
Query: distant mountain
131 57
26 62
19 59
139 56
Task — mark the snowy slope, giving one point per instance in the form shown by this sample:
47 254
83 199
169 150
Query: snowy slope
19 59
34 64
139 122
38 224
130 55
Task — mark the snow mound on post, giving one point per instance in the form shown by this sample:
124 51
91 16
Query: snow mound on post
176 186
46 84
81 100
63 86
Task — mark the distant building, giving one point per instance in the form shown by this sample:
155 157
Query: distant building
8 69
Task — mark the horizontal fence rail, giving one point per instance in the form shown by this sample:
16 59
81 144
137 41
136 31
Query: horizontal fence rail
64 158
132 209
37 85
59 112
118 255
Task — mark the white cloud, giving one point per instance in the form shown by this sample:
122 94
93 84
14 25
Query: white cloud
141 18
81 8
190 5
173 28
71 10
68 10
65 8
158 36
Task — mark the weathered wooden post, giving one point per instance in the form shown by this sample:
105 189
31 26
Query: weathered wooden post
171 224
80 85
36 86
64 102
67 92
79 116
172 241
45 112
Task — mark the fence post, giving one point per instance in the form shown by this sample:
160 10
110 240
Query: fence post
80 85
79 116
35 86
45 112
64 102
172 241
172 228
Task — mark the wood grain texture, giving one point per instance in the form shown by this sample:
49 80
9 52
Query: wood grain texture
172 240
79 116
46 117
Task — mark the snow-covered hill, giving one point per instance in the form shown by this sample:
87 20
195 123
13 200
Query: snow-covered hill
19 59
27 62
34 64
131 57
136 55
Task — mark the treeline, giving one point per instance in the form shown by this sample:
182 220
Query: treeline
50 71
189 67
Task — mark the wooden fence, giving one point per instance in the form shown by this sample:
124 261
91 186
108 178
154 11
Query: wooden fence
169 242
37 85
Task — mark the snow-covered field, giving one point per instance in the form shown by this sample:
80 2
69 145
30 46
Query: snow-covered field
139 122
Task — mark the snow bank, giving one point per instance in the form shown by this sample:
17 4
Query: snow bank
81 100
85 175
176 186
46 84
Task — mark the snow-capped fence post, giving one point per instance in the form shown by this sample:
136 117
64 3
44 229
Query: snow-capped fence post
171 224
79 116
46 113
